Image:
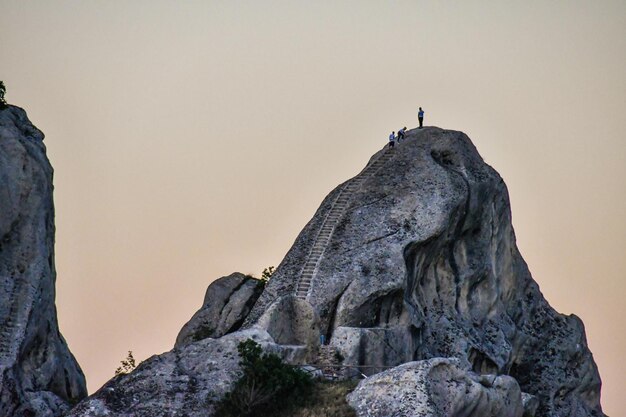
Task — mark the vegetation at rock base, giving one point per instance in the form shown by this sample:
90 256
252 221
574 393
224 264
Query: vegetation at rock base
271 388
127 366
266 387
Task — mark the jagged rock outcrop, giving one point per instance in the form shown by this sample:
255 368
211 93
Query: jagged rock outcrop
38 374
413 259
187 381
436 387
420 262
227 302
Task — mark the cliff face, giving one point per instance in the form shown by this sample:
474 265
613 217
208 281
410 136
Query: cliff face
38 374
413 260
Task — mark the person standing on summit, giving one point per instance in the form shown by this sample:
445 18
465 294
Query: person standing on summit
392 139
420 116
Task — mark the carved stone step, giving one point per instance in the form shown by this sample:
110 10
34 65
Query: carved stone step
333 217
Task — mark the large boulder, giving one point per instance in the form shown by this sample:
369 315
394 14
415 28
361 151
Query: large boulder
436 388
38 374
418 252
227 302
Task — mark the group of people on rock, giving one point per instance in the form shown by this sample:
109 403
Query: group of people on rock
393 138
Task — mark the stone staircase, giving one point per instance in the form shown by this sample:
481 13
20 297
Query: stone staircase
12 328
328 362
333 217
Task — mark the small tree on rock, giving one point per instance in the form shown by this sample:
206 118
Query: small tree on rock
266 386
128 365
267 274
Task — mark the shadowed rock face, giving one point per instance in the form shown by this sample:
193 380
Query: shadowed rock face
38 374
227 302
423 264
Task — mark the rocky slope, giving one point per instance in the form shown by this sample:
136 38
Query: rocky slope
38 374
188 381
411 261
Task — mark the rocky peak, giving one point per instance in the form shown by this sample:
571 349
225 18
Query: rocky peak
408 273
415 258
38 374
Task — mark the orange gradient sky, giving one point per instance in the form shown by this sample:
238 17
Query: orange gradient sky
193 139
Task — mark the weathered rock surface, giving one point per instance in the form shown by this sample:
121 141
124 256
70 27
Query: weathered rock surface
227 302
420 263
38 374
437 387
187 381
423 259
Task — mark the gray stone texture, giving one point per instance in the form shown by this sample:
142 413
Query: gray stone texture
424 258
420 265
38 374
437 387
227 302
187 381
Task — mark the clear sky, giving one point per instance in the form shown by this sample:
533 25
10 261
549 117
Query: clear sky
193 139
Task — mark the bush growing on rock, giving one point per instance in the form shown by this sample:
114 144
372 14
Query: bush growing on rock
128 365
267 274
267 385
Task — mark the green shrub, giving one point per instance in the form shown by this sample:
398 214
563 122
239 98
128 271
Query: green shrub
265 276
327 399
266 386
128 365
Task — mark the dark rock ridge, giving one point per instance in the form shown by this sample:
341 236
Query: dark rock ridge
413 261
227 302
38 374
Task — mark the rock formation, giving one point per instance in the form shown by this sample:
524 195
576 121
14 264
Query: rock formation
38 374
227 302
412 260
437 387
188 381
420 262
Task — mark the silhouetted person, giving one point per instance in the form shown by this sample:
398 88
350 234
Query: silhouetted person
420 116
392 139
401 133
3 90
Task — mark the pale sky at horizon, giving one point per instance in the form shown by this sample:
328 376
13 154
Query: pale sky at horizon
194 139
